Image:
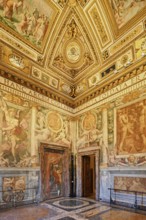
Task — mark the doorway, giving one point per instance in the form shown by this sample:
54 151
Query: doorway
88 160
54 171
88 176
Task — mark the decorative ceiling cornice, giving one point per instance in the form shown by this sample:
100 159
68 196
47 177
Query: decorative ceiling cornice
74 102
35 86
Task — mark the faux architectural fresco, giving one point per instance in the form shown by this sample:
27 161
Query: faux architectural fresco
140 47
14 136
130 183
13 186
14 183
52 127
131 129
126 132
13 58
125 10
23 128
90 130
30 22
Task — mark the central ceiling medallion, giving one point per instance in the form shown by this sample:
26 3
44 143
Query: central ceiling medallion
73 52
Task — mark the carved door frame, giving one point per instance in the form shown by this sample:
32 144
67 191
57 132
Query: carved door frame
80 168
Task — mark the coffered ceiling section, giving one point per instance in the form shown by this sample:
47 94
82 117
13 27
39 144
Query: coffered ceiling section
70 46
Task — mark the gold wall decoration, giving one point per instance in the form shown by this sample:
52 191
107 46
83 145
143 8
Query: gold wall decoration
140 47
129 37
61 3
93 80
72 52
12 58
65 87
110 115
105 55
83 3
17 44
44 77
99 24
81 87
125 60
73 55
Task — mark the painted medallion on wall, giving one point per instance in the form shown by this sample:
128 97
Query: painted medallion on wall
131 129
90 130
54 121
89 122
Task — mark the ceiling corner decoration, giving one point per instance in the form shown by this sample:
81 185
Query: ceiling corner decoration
73 52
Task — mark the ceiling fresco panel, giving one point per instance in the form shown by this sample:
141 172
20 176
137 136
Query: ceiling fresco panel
124 10
29 20
124 14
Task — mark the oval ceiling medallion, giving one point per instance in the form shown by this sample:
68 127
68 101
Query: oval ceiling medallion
73 52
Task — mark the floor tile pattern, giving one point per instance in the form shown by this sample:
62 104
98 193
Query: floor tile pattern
70 209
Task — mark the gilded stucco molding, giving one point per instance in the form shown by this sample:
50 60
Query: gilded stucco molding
82 38
35 86
127 74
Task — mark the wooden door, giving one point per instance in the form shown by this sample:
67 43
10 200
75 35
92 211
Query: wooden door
87 175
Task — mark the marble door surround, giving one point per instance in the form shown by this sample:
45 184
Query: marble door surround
79 171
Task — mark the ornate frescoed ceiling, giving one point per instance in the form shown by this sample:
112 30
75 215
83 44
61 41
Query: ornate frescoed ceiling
71 50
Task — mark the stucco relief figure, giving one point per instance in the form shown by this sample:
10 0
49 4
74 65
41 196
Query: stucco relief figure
90 134
72 3
59 62
42 133
72 30
63 135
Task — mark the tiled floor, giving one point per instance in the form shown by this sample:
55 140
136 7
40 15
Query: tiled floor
69 209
